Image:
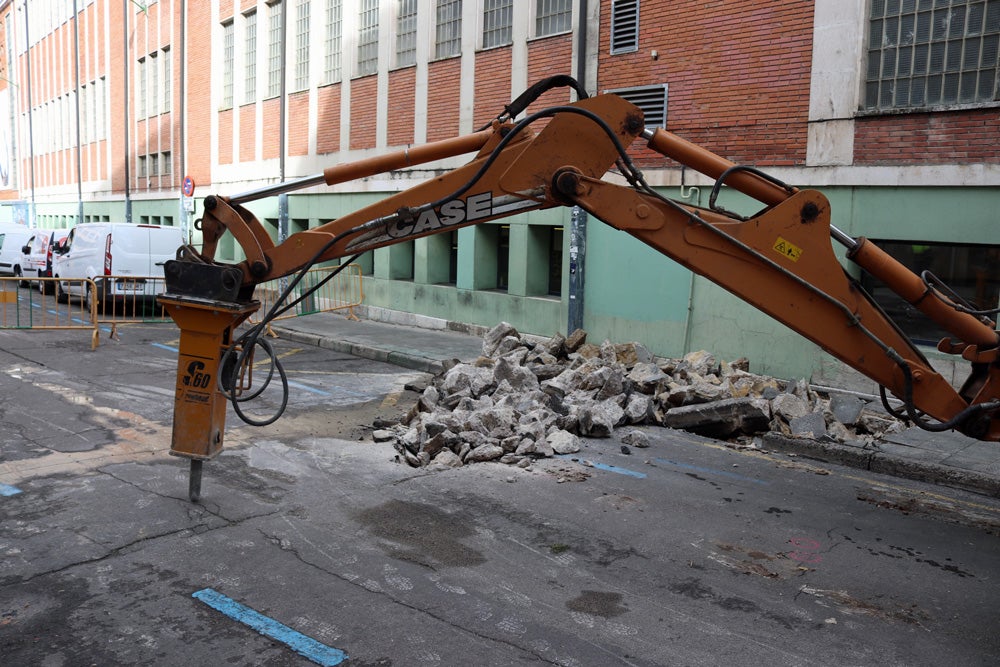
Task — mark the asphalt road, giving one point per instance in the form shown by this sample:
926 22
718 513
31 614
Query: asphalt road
685 553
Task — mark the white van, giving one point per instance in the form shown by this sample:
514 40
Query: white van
12 240
38 255
125 252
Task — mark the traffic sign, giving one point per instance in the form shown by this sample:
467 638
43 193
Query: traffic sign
188 187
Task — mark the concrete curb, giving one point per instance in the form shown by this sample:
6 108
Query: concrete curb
878 462
395 357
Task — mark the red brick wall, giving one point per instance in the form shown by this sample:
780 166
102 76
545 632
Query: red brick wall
928 138
199 94
225 137
272 137
548 57
443 98
248 133
298 123
738 73
328 129
364 104
402 83
493 71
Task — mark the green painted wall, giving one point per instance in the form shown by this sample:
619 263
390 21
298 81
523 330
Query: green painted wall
631 291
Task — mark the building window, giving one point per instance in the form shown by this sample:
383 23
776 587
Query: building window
154 84
448 33
498 15
503 257
552 16
924 53
452 258
167 165
141 110
406 33
302 45
100 110
368 38
334 27
154 165
227 65
971 271
555 260
168 79
624 26
141 167
275 43
250 58
651 99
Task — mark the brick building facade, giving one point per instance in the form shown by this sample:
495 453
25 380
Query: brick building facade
891 109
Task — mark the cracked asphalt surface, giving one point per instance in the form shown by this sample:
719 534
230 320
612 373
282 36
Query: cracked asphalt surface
685 553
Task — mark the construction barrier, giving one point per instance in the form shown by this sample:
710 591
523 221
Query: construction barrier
128 300
25 304
341 292
110 301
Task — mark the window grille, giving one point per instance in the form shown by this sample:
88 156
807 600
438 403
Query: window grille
651 99
498 15
368 38
302 45
448 40
275 44
250 60
406 33
227 64
624 26
928 53
552 16
334 29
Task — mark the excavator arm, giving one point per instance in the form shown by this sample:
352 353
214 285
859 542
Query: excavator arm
780 260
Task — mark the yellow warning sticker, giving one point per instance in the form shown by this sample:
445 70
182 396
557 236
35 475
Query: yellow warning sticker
788 249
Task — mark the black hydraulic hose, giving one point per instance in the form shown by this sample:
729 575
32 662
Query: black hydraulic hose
518 105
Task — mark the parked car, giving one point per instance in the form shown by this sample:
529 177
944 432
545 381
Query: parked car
118 257
38 256
12 240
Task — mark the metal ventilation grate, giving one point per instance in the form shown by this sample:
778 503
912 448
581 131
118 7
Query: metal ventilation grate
624 26
651 99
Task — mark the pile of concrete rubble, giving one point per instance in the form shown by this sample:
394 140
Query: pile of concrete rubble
526 399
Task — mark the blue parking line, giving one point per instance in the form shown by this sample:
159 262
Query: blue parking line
605 466
8 490
165 347
306 387
305 646
711 471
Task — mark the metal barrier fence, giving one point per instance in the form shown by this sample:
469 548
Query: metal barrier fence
24 305
342 292
110 301
128 300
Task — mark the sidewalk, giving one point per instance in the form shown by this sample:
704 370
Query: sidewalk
948 458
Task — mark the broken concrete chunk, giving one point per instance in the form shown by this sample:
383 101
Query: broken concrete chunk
563 442
789 406
846 409
495 335
811 425
487 452
636 439
575 340
721 419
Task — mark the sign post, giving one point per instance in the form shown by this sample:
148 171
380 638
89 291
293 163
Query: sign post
187 205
